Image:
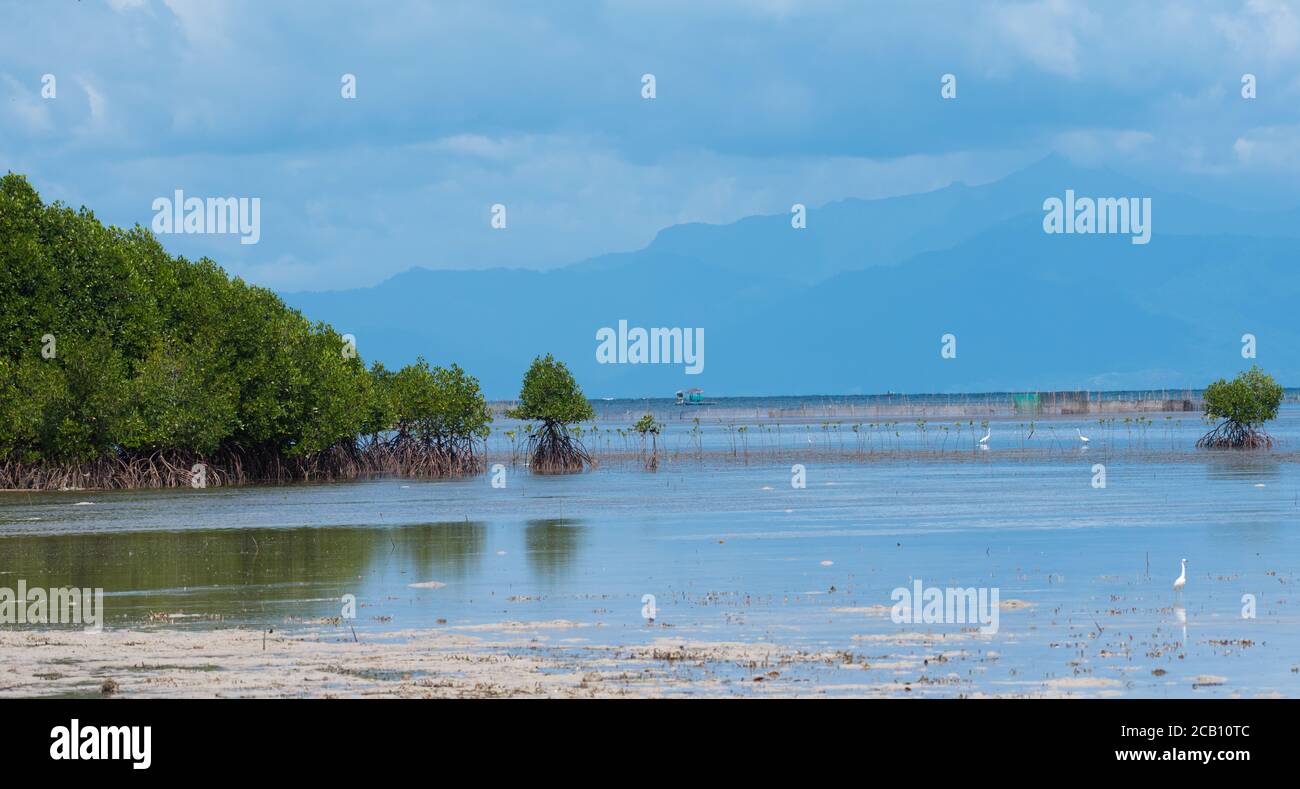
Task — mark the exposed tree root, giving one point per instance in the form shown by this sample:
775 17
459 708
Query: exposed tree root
400 457
1234 435
552 450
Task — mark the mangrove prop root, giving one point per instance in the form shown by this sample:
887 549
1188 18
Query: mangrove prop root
1234 435
553 450
401 456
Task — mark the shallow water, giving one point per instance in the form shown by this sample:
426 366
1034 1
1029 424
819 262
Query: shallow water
732 552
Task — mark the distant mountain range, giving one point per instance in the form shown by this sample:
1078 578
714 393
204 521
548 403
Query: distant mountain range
858 301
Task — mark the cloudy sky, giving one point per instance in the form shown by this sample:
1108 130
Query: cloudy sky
538 106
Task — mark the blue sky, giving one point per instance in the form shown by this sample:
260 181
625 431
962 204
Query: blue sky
537 105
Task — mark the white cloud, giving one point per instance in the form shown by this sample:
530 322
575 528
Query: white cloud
1093 146
98 104
762 103
1268 149
99 126
1265 31
25 105
202 22
1044 33
479 145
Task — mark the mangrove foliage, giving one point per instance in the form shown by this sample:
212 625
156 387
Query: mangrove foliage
1242 405
550 395
123 366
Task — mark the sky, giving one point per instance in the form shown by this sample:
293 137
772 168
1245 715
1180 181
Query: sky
538 106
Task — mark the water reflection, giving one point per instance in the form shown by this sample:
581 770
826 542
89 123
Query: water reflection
552 544
231 574
1235 465
450 549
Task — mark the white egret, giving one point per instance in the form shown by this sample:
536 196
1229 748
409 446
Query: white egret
984 442
1082 437
1182 578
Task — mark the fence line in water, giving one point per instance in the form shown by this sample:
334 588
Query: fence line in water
981 405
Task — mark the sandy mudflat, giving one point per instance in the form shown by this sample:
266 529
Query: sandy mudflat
517 659
545 658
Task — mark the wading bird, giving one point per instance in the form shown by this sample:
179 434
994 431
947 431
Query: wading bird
1082 437
984 442
1182 578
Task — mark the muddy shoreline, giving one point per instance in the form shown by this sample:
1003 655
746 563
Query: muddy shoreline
544 659
405 664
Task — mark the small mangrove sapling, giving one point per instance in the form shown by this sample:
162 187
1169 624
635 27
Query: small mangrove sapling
647 426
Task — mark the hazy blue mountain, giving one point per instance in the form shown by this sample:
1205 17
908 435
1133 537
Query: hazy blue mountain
1030 311
853 234
494 322
858 301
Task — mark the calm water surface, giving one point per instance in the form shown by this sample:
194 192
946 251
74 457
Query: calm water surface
731 551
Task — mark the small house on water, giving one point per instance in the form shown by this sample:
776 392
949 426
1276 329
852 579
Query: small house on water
690 397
